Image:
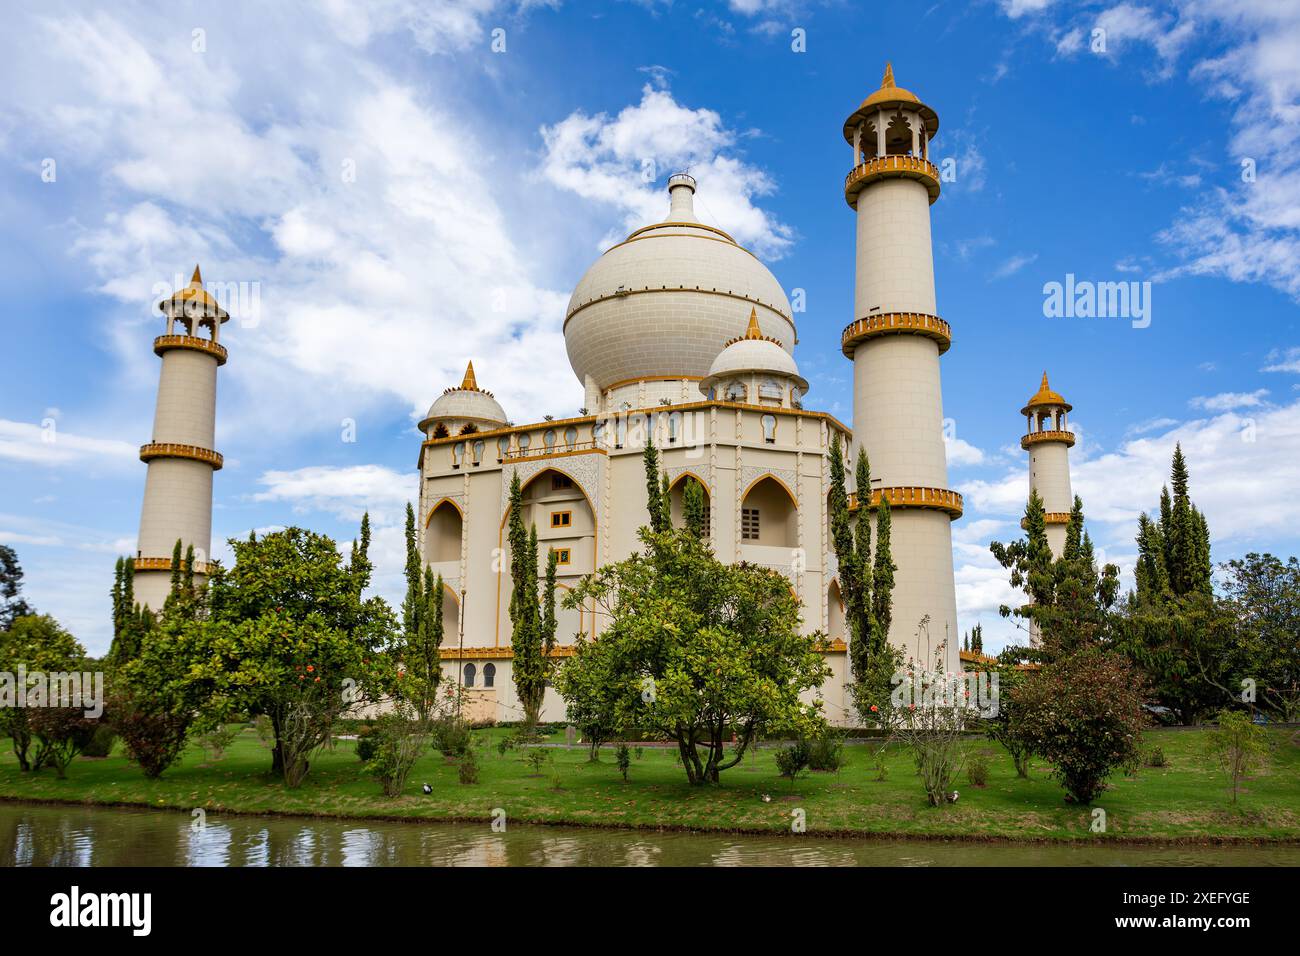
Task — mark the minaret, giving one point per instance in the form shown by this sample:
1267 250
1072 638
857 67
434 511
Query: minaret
895 342
181 459
1048 442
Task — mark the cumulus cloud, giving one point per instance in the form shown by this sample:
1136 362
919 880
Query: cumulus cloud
1226 401
621 161
49 446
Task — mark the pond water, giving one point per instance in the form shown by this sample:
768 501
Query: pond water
36 835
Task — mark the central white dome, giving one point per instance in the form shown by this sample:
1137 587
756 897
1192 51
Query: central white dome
662 303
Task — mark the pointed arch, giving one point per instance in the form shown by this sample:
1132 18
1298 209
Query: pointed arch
769 514
677 503
835 622
443 530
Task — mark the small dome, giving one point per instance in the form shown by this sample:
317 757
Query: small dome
194 298
753 353
1045 396
887 97
467 403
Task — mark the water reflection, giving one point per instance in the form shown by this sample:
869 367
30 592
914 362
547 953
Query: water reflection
84 836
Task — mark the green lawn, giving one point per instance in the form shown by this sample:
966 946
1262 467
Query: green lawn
1186 800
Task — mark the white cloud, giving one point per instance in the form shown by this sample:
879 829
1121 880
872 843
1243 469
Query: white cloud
1226 401
961 452
1020 8
1013 265
52 447
345 492
1287 360
618 161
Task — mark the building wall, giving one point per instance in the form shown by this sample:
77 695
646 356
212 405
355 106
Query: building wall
897 274
722 446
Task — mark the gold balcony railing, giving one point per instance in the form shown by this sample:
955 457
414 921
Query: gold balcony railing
891 167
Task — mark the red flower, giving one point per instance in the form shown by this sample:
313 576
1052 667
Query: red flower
310 668
874 708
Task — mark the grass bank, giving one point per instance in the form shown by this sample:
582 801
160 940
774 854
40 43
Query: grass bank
1186 800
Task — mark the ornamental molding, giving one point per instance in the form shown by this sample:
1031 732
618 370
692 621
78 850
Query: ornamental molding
584 469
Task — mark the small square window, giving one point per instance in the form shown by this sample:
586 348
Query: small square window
561 519
749 524
562 555
561 482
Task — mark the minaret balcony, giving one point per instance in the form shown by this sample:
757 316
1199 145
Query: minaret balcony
165 564
1048 435
896 323
910 496
172 450
891 167
165 343
1049 517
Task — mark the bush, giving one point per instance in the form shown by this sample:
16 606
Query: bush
216 741
977 770
62 732
101 744
536 758
1239 745
624 760
792 760
1084 714
468 769
153 739
451 735
826 753
1155 757
505 744
398 743
367 742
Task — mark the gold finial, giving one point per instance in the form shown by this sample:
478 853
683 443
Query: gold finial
753 332
888 82
1044 387
469 384
196 280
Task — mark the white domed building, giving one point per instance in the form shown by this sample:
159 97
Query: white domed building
681 333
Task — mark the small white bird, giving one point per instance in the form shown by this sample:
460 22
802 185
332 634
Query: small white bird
767 798
427 789
952 798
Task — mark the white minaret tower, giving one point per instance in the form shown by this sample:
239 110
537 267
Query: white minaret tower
181 459
1048 442
895 342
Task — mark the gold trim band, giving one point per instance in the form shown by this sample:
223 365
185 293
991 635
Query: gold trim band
165 343
192 452
165 564
891 167
1038 438
1049 517
910 496
896 323
700 289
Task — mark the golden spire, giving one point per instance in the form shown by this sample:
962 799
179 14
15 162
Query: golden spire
196 280
469 384
888 82
753 332
1044 387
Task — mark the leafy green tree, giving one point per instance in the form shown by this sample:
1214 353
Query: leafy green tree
12 605
292 636
1262 600
696 650
39 644
656 498
1239 746
1083 713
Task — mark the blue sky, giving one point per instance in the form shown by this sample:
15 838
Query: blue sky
484 182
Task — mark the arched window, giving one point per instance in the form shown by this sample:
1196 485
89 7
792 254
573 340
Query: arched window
736 392
524 442
771 390
674 426
769 429
469 672
548 439
469 430
457 454
598 433
439 431
503 446
489 674
570 436
478 451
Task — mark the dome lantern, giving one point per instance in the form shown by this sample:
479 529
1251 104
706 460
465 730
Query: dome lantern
462 410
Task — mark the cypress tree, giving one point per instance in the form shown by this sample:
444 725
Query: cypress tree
654 490
416 592
694 509
882 578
